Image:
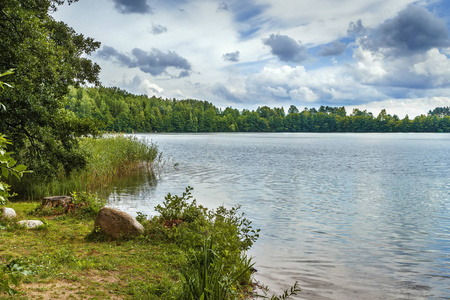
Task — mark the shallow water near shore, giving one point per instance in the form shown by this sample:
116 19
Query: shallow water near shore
348 216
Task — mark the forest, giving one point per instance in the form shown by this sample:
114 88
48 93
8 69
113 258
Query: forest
117 110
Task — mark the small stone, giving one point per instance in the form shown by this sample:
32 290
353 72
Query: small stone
30 224
115 223
8 213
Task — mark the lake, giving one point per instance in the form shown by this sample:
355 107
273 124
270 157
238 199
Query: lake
348 216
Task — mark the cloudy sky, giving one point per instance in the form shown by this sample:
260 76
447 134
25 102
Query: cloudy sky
369 54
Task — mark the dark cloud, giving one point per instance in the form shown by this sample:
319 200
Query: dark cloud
109 52
356 28
413 30
154 62
158 29
222 7
286 48
132 6
335 48
233 56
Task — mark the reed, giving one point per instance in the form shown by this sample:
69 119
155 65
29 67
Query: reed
108 159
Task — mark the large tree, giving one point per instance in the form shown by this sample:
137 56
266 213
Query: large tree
47 57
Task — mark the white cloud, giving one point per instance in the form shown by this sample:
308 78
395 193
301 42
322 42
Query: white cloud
303 94
436 66
402 107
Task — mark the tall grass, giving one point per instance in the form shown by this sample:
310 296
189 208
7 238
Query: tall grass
108 158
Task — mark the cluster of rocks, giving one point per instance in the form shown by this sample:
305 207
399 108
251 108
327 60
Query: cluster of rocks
111 222
10 214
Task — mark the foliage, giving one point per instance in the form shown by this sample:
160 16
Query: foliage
87 204
118 110
286 294
207 276
215 239
179 208
47 56
8 166
11 274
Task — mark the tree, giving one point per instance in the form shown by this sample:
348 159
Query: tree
7 163
48 57
293 110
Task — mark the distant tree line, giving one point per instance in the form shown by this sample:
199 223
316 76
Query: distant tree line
118 110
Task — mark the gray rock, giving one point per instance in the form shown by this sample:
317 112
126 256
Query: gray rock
115 223
30 224
8 213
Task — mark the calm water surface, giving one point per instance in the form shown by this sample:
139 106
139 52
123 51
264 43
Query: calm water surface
348 216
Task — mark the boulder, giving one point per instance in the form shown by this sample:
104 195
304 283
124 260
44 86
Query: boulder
30 224
8 213
115 223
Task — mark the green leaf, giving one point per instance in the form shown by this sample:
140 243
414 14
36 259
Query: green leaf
5 172
20 168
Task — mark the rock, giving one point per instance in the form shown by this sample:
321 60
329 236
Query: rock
30 224
115 223
8 213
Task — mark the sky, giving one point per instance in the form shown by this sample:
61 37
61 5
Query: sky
365 54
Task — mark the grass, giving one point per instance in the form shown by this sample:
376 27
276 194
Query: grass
67 265
109 159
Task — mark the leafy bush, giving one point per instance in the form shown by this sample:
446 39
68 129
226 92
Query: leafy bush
8 167
11 274
216 241
87 204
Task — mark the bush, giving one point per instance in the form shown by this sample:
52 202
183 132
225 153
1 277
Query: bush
11 274
215 241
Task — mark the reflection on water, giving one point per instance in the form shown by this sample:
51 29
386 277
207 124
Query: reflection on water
349 216
129 191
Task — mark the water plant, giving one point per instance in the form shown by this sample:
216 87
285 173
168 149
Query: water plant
108 158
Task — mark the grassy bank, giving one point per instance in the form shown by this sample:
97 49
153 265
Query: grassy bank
187 252
108 158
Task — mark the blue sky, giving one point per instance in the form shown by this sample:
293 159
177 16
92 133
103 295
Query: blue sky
367 54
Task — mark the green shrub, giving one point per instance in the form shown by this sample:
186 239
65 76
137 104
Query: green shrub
216 241
87 204
11 274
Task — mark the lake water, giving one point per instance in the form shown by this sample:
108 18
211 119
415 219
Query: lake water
348 216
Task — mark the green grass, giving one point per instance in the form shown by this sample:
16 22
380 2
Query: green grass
65 263
109 158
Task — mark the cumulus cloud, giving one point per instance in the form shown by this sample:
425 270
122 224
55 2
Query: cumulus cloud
286 48
435 68
412 31
335 48
132 6
158 29
154 62
403 53
232 56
